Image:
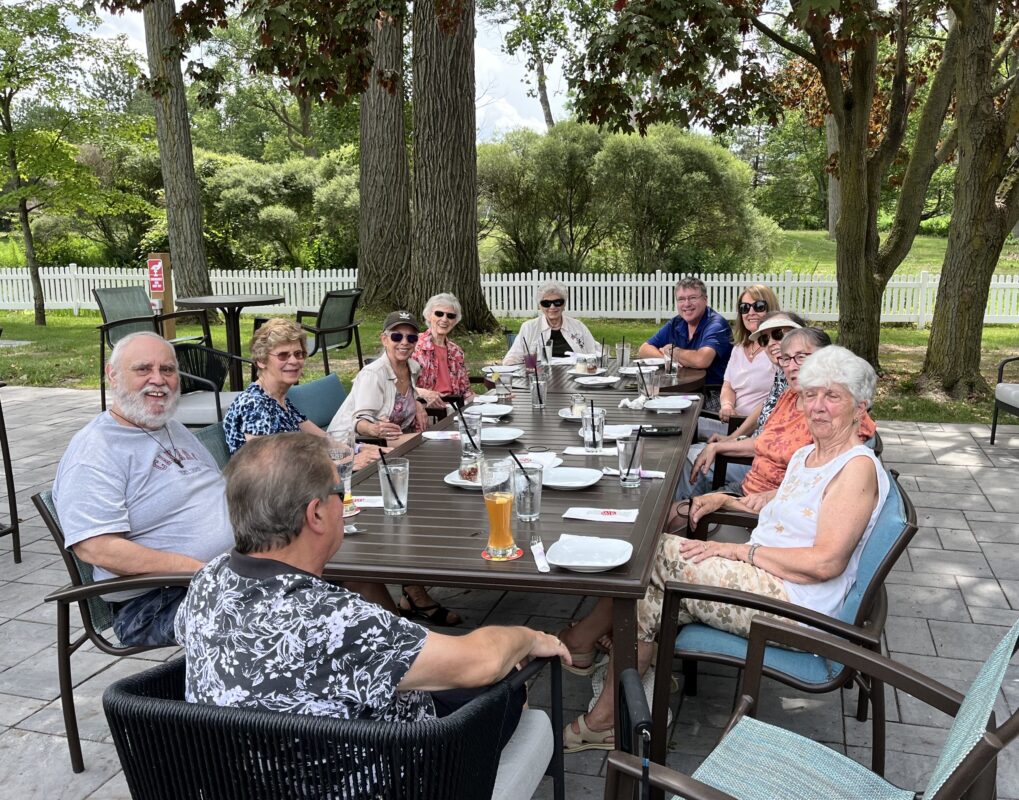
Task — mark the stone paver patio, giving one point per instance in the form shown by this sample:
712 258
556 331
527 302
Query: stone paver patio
950 600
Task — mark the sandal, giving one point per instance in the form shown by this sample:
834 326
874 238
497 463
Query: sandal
586 739
435 614
590 657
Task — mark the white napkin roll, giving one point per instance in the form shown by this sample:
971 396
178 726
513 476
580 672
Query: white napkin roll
580 451
644 473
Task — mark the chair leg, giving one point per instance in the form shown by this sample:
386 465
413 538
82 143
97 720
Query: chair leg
102 372
556 764
67 687
994 422
877 699
360 357
863 698
325 356
689 678
12 500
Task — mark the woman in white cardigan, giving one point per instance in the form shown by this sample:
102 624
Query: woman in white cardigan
553 326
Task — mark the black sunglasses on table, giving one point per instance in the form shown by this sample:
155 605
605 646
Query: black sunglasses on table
549 303
757 305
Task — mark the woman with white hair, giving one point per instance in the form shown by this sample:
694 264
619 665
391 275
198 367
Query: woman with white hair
443 372
553 327
807 544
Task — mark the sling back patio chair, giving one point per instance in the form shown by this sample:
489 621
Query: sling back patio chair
96 616
172 749
213 437
860 621
126 310
334 326
758 761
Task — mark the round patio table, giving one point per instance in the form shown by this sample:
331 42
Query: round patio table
231 305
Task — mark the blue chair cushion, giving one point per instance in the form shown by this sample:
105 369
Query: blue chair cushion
319 400
757 761
702 640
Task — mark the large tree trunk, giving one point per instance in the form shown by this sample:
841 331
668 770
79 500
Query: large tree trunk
445 257
384 227
831 137
176 159
980 220
38 301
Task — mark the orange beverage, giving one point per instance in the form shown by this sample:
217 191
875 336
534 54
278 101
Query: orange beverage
500 531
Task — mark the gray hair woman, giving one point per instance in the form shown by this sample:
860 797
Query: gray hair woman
443 371
552 327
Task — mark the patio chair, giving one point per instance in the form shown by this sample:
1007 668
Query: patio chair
213 438
173 749
757 760
320 399
1006 396
334 326
96 616
203 373
860 621
12 528
125 310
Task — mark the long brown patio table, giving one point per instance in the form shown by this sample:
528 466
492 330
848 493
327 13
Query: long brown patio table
440 538
686 379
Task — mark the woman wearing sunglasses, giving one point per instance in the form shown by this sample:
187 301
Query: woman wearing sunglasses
383 402
749 373
553 326
443 372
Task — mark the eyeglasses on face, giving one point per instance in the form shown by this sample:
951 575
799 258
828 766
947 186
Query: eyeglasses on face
772 336
398 337
690 298
758 306
558 303
286 355
799 358
450 315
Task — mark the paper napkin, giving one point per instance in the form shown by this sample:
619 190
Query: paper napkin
635 404
644 473
545 460
486 398
580 451
442 436
601 514
368 501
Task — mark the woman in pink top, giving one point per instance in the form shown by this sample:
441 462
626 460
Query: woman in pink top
443 372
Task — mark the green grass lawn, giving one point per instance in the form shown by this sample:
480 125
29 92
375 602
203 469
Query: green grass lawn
65 353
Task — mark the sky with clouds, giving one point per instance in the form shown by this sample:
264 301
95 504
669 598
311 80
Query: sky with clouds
502 100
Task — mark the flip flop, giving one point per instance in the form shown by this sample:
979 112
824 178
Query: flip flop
587 739
435 614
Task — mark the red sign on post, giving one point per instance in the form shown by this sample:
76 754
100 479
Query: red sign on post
155 275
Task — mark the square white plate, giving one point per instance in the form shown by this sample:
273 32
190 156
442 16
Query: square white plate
496 410
667 404
588 553
570 479
596 380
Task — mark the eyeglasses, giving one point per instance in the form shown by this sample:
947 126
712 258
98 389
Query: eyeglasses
398 337
450 315
286 355
757 305
776 335
558 303
799 358
693 298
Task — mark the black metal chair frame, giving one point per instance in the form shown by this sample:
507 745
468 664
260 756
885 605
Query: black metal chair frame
13 528
998 404
319 333
866 632
203 382
974 778
88 595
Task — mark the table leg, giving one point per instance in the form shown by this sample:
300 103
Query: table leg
232 320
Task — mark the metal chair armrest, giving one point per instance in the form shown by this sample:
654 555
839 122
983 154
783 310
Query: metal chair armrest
741 519
105 327
147 580
302 314
339 329
1001 367
661 778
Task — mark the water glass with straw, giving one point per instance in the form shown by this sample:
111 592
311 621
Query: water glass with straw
631 450
526 490
394 479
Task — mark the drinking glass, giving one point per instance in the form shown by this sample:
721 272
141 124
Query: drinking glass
394 478
593 427
341 451
469 422
497 485
577 404
539 391
622 355
648 382
530 361
631 450
527 493
548 353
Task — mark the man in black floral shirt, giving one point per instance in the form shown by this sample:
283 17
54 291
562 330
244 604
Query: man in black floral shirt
260 627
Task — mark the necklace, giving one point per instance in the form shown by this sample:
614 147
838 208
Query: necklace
169 455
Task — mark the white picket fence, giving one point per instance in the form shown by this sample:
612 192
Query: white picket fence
906 299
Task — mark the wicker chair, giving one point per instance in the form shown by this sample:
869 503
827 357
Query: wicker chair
96 616
173 749
755 760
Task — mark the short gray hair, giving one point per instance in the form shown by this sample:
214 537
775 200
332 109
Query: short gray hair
691 283
814 336
442 299
269 484
118 349
552 287
836 364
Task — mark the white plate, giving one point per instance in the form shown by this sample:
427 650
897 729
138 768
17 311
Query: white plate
599 371
496 410
613 432
567 414
503 369
454 479
530 461
570 478
650 362
647 368
668 404
588 553
500 435
596 380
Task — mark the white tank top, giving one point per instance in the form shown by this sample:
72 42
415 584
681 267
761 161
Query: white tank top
790 520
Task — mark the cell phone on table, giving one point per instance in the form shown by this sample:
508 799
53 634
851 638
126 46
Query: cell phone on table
661 430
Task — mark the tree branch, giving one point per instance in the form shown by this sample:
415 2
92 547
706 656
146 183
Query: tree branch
901 96
1006 46
788 44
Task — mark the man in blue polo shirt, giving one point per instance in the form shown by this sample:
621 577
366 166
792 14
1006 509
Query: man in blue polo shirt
697 336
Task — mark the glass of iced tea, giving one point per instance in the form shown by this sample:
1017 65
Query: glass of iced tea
497 485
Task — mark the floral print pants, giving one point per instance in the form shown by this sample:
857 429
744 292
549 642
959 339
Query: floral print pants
671 566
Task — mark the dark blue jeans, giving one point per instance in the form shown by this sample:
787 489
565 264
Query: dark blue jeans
148 619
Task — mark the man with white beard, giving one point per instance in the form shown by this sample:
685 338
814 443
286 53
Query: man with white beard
137 492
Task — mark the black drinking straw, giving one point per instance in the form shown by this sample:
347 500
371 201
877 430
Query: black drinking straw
389 479
522 470
672 362
640 429
603 351
640 372
537 385
459 411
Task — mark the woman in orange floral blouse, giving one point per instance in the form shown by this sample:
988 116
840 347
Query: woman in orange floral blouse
443 372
